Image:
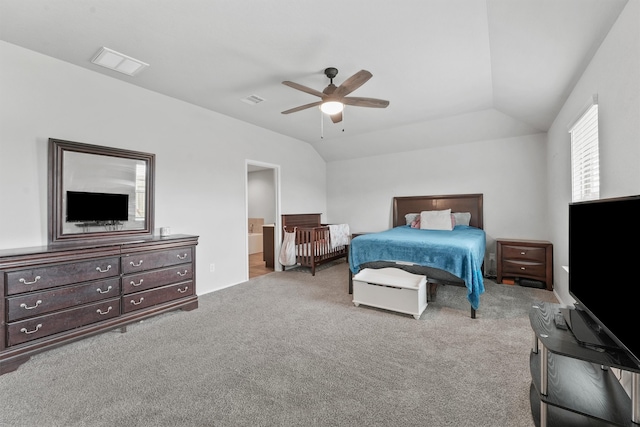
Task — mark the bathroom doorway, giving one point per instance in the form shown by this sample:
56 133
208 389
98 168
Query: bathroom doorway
263 218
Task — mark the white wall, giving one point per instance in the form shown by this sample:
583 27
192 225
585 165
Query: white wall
614 75
200 157
510 173
262 195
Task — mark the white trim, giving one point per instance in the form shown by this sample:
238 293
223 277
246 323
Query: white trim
277 237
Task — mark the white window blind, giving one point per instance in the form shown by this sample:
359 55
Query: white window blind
585 158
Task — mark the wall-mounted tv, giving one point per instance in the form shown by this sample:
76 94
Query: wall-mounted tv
604 251
96 207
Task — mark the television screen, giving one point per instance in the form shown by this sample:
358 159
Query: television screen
86 207
604 252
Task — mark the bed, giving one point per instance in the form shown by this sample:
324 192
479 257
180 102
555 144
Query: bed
445 257
313 243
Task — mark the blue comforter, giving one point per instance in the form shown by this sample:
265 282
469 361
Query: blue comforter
459 251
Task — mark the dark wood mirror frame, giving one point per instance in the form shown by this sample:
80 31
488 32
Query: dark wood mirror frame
56 191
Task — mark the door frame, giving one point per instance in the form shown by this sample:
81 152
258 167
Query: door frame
277 232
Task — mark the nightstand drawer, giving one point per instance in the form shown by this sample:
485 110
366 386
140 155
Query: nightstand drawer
516 268
524 253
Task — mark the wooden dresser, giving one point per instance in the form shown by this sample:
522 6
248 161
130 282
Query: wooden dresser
60 293
530 259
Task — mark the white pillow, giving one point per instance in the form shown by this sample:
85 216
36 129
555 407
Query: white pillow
436 220
461 218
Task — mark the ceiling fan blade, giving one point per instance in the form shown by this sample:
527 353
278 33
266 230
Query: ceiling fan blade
303 88
353 83
336 118
365 102
302 107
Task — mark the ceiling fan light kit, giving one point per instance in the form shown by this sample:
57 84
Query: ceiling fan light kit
331 107
334 98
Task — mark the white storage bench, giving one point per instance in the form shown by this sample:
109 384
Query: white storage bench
391 289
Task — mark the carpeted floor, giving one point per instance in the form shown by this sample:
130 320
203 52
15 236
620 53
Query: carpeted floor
289 349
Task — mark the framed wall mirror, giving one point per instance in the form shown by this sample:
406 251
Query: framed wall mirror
98 192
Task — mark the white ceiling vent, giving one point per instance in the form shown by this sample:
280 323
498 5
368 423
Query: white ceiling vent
253 99
117 61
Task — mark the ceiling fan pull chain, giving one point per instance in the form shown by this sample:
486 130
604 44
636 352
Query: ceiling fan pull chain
321 126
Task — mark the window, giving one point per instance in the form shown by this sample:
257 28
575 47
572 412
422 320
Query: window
141 179
585 158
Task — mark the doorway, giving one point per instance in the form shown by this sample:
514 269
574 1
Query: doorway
263 218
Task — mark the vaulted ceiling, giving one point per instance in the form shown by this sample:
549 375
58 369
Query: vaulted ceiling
454 71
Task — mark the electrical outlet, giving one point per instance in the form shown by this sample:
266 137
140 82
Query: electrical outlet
212 267
492 256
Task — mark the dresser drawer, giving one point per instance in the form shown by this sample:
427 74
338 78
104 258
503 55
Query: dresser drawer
156 296
42 326
149 260
521 268
37 303
152 279
523 252
37 278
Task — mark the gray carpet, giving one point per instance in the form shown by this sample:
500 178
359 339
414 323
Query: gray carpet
289 349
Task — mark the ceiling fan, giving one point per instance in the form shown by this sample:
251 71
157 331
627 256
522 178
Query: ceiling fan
334 98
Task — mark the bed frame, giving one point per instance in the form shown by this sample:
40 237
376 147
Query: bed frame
312 240
415 204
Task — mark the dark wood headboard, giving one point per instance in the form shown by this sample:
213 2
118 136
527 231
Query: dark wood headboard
456 202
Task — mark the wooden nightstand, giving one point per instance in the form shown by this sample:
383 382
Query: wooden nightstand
531 259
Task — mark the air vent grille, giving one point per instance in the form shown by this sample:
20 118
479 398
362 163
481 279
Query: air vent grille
253 99
118 62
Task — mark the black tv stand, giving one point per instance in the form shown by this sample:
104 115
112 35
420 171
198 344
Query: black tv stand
587 332
571 383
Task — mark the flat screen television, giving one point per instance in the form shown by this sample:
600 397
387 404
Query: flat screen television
96 207
604 260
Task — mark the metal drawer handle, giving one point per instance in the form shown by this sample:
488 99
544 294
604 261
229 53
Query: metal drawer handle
523 253
23 305
522 268
182 274
103 271
104 312
38 326
136 284
182 257
104 292
182 291
137 303
136 265
29 283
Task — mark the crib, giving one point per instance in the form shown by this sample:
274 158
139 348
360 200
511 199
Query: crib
313 245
